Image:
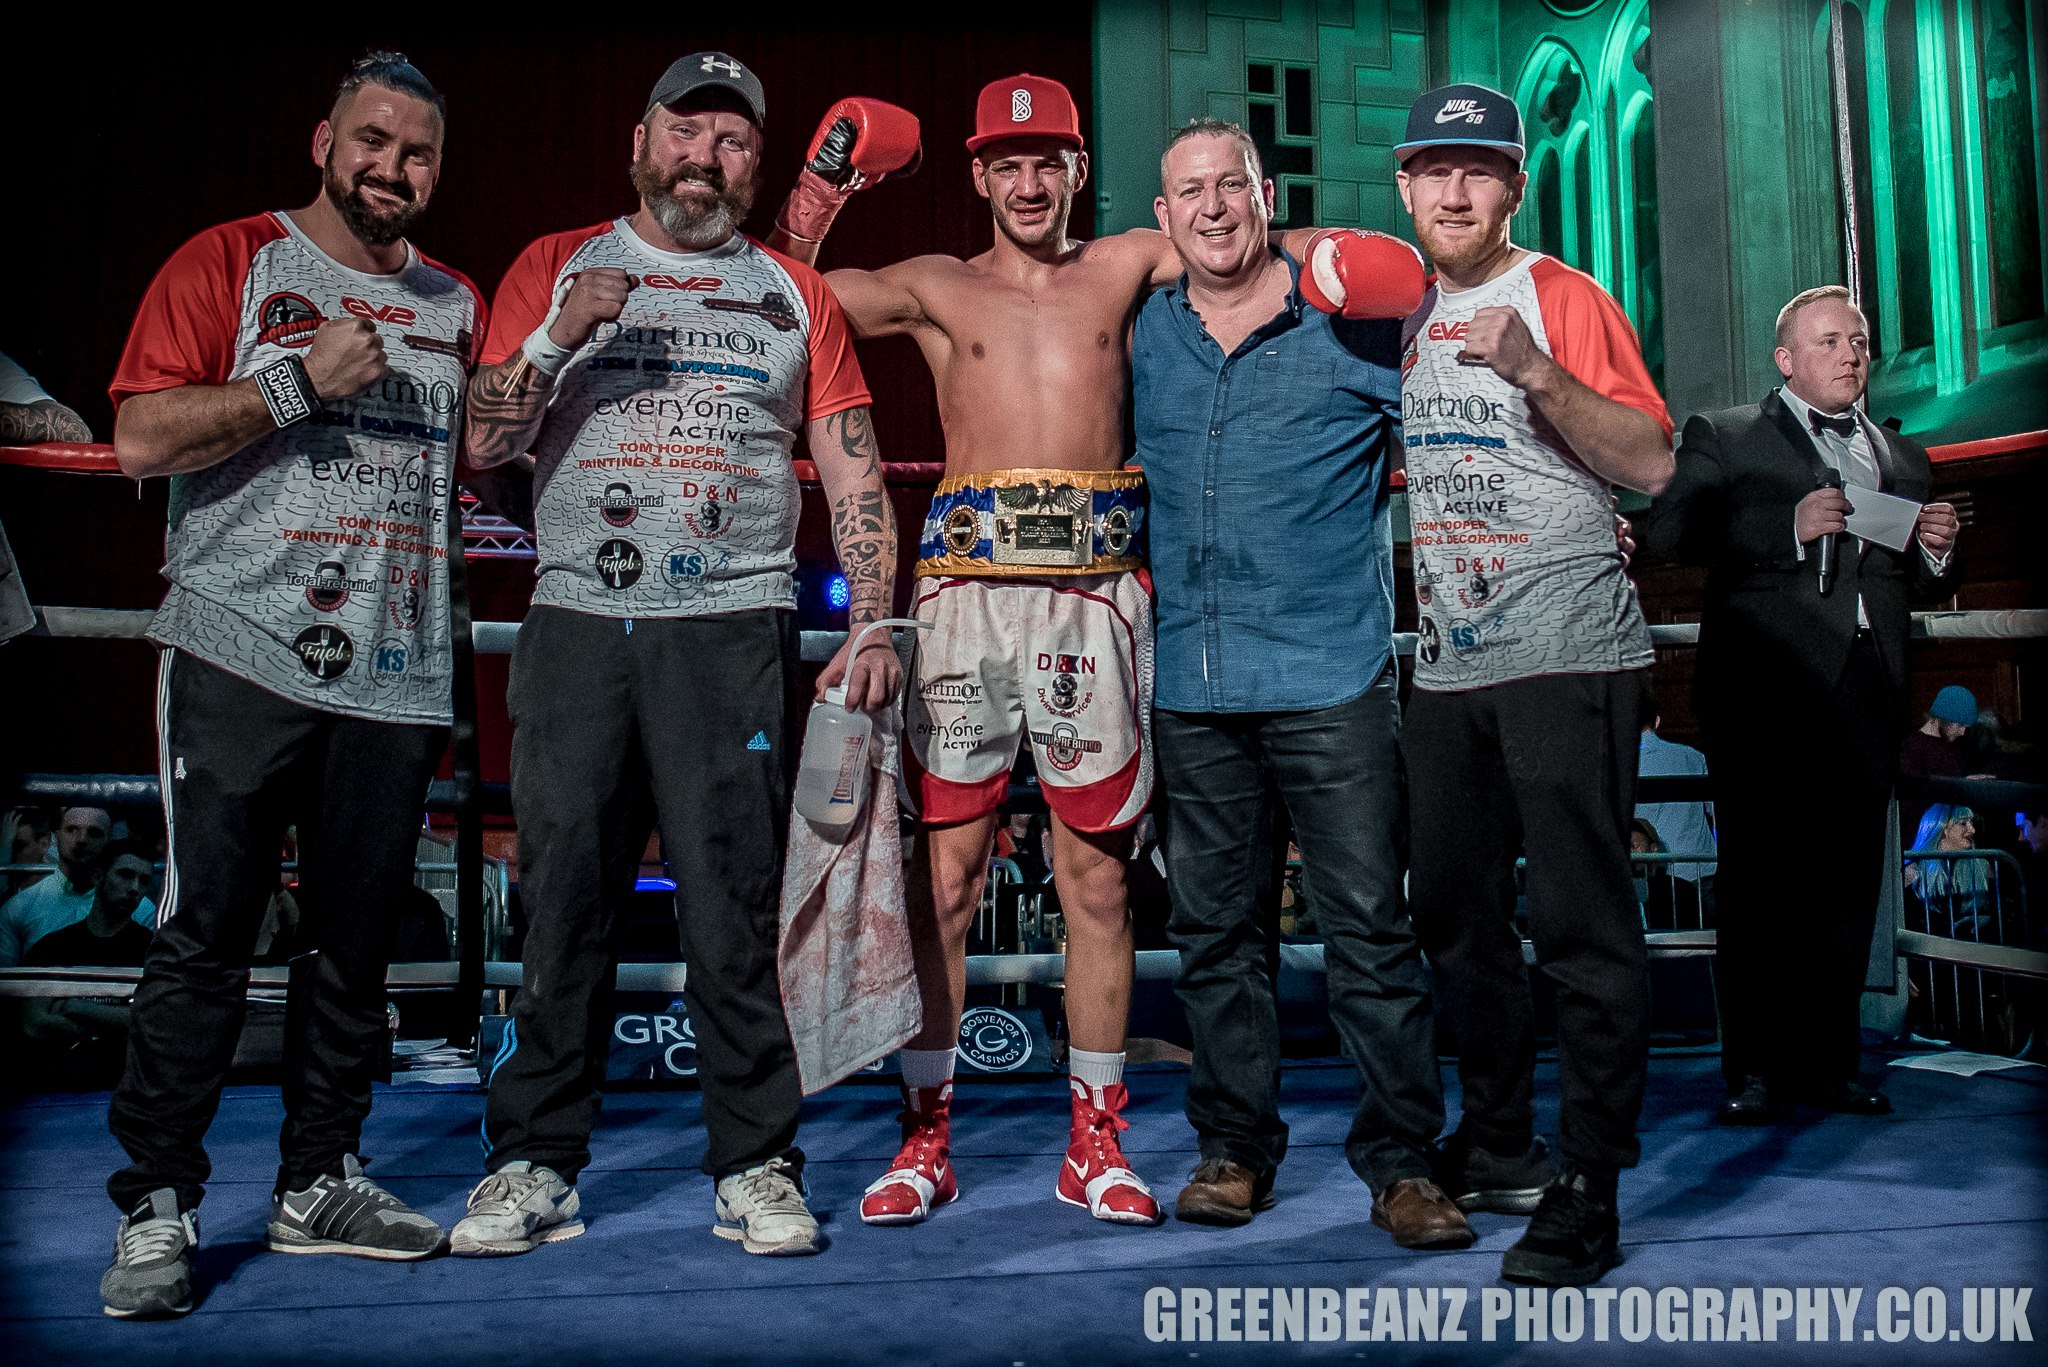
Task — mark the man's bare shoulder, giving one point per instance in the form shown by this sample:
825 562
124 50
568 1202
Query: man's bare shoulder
935 269
1145 252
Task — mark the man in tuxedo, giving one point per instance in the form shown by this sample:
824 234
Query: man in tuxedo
1801 694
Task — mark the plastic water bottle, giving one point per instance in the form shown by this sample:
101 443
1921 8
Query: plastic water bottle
832 775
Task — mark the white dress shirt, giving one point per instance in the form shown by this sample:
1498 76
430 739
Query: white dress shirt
1853 457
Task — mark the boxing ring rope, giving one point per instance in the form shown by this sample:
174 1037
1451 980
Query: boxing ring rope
497 638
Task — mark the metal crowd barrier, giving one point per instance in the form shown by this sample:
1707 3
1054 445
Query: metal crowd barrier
469 800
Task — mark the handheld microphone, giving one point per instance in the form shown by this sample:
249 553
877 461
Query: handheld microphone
1831 479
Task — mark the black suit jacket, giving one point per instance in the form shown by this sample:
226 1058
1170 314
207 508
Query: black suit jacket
1768 639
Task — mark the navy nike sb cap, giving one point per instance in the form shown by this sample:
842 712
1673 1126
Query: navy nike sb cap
1463 115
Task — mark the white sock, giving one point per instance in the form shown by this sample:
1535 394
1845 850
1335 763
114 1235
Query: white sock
1096 1070
926 1067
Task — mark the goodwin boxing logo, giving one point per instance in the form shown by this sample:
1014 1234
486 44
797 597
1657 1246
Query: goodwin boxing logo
994 1041
324 651
619 564
286 319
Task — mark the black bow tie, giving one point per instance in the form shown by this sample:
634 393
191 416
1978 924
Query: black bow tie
1844 426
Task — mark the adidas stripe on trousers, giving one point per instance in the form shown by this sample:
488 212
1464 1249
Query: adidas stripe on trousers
238 764
620 726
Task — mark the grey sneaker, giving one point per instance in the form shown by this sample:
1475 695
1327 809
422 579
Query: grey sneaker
515 1210
1479 1179
350 1214
152 1271
764 1209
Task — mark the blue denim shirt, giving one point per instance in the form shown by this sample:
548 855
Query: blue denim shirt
1272 549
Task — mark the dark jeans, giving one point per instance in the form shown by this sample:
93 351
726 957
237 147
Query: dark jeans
1800 794
239 764
618 724
1547 767
1338 771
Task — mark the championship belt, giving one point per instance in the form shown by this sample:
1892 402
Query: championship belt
1029 524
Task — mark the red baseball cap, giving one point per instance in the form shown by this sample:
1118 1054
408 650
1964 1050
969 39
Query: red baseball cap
1024 106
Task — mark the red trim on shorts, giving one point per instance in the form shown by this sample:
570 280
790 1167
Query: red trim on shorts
943 802
1093 807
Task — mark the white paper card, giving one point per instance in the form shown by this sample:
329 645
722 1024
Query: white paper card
1961 1063
1883 518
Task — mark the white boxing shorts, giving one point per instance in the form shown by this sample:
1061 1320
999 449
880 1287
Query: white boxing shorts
1065 662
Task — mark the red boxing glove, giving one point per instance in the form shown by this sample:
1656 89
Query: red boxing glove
1361 274
860 143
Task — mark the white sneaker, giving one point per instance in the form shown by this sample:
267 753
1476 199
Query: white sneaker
764 1209
515 1210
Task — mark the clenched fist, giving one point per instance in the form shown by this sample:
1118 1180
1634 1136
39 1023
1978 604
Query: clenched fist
598 296
1498 339
1821 513
346 358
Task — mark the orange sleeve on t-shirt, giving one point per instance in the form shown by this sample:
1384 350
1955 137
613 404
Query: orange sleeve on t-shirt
528 290
835 383
1592 338
185 329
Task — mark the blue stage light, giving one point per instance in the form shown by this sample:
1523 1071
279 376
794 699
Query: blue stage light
836 591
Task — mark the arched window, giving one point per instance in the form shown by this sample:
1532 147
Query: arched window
2012 188
1638 278
1578 161
1908 189
1857 70
1546 197
1647 277
1556 118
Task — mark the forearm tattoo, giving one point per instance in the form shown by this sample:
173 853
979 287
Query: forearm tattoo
25 424
864 531
506 405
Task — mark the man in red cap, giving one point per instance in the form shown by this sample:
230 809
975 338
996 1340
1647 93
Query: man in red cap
1029 569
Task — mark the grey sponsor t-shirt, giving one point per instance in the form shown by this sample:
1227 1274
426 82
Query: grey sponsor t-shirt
663 480
1517 573
314 561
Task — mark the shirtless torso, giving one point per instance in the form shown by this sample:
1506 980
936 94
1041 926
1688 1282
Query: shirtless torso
1031 355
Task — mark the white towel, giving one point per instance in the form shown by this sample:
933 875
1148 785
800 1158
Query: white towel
849 986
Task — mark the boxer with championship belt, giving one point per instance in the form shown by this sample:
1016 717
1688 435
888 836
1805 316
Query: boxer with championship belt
1028 567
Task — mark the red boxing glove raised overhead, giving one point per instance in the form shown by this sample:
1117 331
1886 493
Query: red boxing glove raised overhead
861 142
1361 274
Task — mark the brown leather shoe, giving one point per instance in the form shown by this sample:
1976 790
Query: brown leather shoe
1220 1192
1418 1214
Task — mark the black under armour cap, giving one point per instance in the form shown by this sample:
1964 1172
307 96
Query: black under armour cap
1463 115
715 70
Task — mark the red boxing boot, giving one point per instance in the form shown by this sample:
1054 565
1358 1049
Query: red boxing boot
1095 1175
921 1178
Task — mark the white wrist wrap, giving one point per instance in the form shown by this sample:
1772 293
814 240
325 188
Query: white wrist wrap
542 353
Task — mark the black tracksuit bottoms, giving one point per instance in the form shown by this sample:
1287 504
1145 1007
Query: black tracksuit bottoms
239 764
620 724
1544 766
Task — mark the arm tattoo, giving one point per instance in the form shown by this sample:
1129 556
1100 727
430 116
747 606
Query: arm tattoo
864 532
856 435
506 405
25 424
